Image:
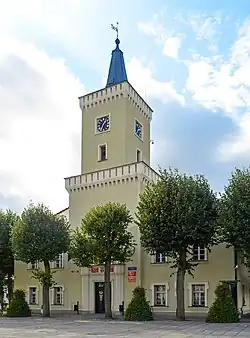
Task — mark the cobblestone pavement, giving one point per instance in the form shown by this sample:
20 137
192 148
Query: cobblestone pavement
38 327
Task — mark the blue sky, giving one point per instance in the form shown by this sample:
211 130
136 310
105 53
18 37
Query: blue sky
189 59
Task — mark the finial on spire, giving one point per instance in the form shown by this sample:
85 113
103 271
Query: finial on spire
115 28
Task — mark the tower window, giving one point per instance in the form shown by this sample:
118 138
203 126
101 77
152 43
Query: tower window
102 152
138 155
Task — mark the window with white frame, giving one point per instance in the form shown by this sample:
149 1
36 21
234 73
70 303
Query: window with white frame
102 152
33 295
159 258
57 295
159 295
199 295
199 253
58 263
33 266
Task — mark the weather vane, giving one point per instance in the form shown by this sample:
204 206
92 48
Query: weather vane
115 28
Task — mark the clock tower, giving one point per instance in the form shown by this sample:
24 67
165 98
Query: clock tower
115 167
115 122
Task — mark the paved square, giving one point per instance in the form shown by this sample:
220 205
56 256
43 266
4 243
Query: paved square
71 327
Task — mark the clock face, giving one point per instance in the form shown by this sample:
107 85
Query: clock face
103 124
138 129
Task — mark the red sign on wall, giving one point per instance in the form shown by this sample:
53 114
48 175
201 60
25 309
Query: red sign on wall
96 269
132 279
131 273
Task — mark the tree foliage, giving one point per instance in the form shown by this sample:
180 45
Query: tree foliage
235 212
139 308
174 214
223 309
103 238
7 220
41 236
18 306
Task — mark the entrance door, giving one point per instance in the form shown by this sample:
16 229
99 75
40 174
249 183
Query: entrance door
99 297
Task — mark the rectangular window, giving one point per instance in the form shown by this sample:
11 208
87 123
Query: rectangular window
138 155
159 258
199 253
198 295
102 152
58 295
33 266
33 296
58 263
160 295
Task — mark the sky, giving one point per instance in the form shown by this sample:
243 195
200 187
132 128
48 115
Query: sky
189 59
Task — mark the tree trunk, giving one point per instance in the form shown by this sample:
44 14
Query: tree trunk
180 310
107 290
46 288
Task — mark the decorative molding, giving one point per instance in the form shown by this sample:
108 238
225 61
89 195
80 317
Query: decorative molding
116 92
117 175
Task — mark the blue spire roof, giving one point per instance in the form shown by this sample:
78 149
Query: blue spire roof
117 70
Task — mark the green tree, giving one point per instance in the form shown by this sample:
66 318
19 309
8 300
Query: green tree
18 306
41 236
223 309
235 213
174 214
7 220
103 238
139 308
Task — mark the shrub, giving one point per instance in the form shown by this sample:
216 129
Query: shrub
18 306
139 308
223 309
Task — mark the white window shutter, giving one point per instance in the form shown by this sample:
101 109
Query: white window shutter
166 259
153 259
37 295
52 296
62 260
206 254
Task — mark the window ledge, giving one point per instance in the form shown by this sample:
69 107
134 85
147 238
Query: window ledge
159 306
57 268
159 263
198 307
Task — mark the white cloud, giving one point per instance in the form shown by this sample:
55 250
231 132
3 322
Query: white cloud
171 47
239 144
143 80
171 43
224 83
205 27
40 124
63 25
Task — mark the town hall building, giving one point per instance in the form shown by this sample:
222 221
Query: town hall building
115 166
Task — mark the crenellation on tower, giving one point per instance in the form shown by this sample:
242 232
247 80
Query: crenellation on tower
116 175
116 92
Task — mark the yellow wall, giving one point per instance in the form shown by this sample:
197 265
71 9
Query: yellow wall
121 140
